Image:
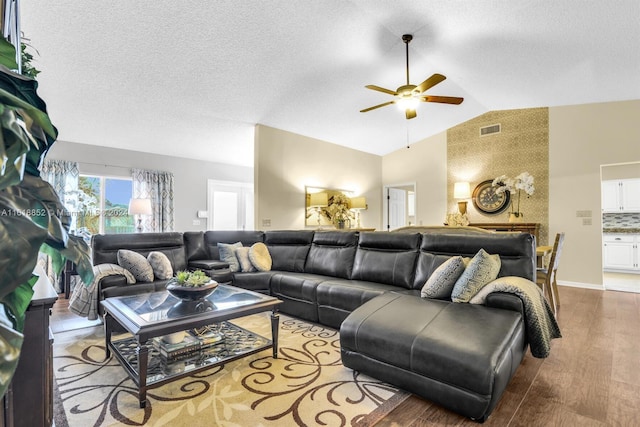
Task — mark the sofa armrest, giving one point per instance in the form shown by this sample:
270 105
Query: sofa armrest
207 264
505 301
111 281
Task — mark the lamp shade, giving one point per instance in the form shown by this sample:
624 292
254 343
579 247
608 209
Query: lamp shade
358 203
318 199
140 207
461 190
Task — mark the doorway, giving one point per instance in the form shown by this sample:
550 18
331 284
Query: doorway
399 206
229 205
620 203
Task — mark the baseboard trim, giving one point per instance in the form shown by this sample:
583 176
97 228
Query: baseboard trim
581 285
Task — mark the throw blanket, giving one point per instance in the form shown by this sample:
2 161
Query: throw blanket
540 323
84 299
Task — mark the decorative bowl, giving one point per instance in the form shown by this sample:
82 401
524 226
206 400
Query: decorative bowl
192 293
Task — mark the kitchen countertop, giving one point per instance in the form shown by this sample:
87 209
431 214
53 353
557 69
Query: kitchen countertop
621 230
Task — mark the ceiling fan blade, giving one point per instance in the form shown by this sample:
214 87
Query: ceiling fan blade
430 82
381 89
377 106
409 113
442 99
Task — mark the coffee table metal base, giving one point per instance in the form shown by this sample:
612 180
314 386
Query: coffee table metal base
149 369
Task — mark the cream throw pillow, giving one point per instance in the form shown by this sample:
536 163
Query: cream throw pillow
160 265
440 283
482 269
260 257
243 258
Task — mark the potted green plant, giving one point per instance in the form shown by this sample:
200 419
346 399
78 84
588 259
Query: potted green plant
32 218
191 285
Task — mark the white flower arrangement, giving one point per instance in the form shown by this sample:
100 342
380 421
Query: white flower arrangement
338 209
522 182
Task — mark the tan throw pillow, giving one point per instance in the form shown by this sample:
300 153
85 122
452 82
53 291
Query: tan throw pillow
243 258
440 283
160 265
260 257
136 264
482 269
228 254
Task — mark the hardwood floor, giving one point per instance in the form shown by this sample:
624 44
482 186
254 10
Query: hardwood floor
591 378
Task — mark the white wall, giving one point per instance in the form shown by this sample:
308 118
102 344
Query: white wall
190 176
286 162
581 138
424 163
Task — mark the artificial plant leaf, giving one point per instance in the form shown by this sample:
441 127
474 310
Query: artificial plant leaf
14 145
10 343
24 108
8 54
23 238
16 303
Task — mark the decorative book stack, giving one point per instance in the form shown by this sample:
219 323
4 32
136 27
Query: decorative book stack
192 344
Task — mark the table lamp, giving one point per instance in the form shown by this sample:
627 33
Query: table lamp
357 204
139 207
462 190
317 201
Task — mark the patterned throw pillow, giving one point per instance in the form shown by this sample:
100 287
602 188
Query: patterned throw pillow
482 269
136 264
161 265
260 257
440 283
243 258
228 254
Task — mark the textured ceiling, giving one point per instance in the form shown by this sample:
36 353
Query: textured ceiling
192 78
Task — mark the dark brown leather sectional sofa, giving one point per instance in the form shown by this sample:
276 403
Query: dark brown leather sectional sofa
368 285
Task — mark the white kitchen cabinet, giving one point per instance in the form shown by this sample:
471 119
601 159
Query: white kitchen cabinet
620 252
621 195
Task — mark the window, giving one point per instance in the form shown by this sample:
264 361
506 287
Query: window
104 205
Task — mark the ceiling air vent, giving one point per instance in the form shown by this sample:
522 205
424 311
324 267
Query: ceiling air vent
489 130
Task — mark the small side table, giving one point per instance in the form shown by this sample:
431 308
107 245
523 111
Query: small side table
68 271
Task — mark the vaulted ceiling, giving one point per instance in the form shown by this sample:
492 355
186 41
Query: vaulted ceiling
192 78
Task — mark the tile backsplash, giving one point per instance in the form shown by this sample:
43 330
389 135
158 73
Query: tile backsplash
620 220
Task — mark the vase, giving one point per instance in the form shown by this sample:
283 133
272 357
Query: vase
516 217
340 224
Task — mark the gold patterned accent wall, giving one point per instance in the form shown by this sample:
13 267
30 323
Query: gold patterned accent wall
521 146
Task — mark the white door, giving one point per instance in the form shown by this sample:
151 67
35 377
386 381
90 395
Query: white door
230 205
397 207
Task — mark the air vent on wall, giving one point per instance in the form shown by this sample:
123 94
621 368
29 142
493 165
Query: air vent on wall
489 130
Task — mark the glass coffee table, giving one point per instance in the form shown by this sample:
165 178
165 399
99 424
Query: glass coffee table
151 361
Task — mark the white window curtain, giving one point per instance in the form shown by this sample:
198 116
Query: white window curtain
157 186
63 177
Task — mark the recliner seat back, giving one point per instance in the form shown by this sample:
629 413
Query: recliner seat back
332 253
288 249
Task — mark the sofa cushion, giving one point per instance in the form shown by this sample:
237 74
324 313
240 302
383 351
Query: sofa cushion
195 246
242 254
332 253
386 258
442 281
227 253
288 248
136 264
246 237
105 247
482 269
160 265
260 257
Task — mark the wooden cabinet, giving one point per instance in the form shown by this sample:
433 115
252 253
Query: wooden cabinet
620 252
29 399
523 227
622 195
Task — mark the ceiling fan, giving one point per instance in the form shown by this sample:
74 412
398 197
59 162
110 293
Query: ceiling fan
409 96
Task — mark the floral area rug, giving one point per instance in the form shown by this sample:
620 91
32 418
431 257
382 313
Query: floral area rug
306 386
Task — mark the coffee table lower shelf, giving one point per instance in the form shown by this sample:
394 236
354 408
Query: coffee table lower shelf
237 343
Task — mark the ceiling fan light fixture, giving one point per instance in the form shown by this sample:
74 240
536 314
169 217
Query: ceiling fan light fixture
407 103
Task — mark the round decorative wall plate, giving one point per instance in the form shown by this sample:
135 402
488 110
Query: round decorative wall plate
486 200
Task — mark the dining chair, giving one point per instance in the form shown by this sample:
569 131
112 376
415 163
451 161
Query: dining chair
546 277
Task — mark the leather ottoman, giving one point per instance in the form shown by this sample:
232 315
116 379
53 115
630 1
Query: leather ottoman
460 356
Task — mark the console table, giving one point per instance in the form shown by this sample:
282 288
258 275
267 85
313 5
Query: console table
29 399
523 227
